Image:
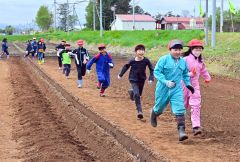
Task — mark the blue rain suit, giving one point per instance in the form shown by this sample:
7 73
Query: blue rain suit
102 68
170 69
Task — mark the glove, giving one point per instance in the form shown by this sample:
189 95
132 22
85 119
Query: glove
150 82
193 72
170 84
119 77
26 52
88 71
111 65
190 88
207 81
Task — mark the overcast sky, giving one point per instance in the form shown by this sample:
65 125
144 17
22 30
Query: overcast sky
16 12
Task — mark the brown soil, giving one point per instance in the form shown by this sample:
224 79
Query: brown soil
33 126
220 114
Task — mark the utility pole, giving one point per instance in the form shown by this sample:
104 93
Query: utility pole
101 27
55 15
206 24
94 15
67 23
213 23
133 7
221 21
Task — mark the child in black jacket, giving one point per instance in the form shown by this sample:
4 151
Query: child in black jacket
137 76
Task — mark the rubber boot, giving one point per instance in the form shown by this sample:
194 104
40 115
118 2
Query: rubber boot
181 127
80 82
153 118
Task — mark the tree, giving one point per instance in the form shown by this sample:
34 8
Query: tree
138 10
44 18
9 30
67 21
122 7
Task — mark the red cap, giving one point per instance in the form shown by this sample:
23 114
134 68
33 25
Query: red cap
80 42
195 43
101 46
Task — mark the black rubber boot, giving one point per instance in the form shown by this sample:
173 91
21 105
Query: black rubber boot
181 127
153 119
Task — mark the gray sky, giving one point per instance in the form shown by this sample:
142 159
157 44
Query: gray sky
16 12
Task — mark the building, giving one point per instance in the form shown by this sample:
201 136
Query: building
125 22
179 23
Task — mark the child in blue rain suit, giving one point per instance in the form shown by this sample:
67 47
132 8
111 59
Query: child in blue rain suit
103 62
169 71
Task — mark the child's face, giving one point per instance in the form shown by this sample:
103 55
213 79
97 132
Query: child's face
176 53
197 51
140 53
102 50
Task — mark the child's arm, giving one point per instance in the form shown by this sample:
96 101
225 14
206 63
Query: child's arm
92 61
125 68
204 73
151 77
158 71
186 76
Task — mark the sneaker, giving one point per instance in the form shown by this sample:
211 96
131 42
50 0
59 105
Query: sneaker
197 131
79 86
102 95
153 118
67 77
140 115
59 68
130 92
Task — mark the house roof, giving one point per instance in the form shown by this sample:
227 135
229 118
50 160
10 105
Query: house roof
137 17
181 19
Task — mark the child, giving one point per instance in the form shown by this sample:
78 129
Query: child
29 49
169 71
197 68
59 48
5 48
40 51
103 62
34 45
65 56
83 57
137 76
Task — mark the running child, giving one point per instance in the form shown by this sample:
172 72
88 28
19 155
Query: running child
197 68
82 57
137 76
65 56
103 62
59 48
169 71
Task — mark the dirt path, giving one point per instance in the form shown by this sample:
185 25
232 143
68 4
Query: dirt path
35 124
220 115
8 146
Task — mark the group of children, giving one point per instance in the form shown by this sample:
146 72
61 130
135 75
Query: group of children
36 49
177 76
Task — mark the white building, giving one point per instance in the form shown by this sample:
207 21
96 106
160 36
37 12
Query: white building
125 22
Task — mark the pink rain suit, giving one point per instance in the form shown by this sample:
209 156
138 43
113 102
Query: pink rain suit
194 100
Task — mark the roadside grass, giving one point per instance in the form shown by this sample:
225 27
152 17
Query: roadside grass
222 60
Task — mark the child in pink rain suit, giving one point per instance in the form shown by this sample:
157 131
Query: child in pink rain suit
197 68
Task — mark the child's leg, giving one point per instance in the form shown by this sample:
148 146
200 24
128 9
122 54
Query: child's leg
79 71
195 103
67 69
136 96
59 62
177 106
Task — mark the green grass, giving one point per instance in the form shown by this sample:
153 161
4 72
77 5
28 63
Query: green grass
224 59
